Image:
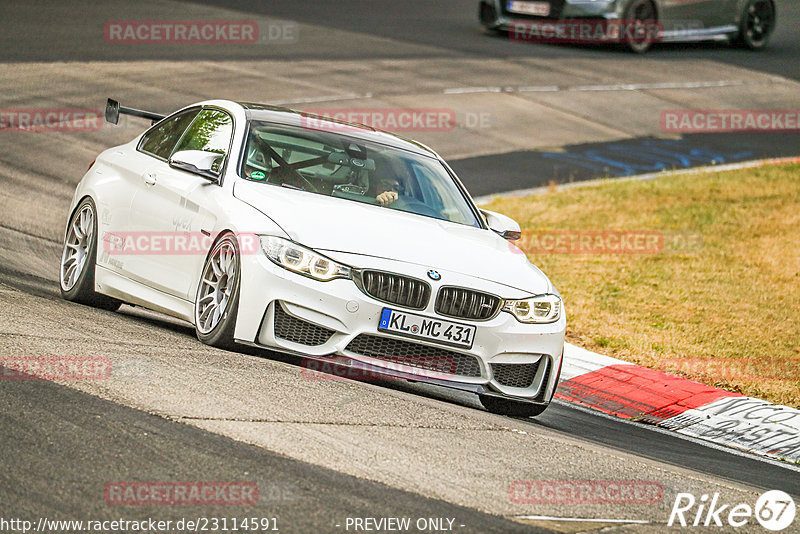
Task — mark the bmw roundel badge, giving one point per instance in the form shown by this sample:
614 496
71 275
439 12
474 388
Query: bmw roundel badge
434 275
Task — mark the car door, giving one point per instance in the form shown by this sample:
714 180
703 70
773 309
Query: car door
132 168
683 15
177 210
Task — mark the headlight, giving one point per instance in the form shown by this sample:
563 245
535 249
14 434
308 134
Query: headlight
302 260
541 309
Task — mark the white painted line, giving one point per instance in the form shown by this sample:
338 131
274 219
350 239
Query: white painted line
539 89
467 90
693 85
581 519
313 99
651 86
613 87
485 199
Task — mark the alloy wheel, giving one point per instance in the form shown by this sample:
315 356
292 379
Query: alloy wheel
759 19
77 247
216 286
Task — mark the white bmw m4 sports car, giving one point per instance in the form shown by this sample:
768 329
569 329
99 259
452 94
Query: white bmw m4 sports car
277 229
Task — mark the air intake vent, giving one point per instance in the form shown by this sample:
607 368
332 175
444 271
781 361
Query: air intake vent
395 289
515 375
415 355
466 304
297 330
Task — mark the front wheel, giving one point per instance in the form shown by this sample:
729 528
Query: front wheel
79 259
757 24
217 300
502 406
640 25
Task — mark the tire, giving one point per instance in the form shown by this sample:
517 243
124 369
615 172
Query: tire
757 24
509 407
642 12
486 14
488 18
79 259
217 300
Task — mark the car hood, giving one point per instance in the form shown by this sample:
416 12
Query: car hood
338 225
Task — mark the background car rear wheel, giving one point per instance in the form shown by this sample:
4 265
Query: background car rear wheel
757 24
79 259
487 15
640 14
510 407
217 299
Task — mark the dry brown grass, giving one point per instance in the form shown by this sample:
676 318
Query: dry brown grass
726 313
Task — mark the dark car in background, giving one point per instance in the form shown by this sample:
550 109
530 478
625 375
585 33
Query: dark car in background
749 23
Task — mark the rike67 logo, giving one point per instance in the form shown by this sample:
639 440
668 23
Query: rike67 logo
774 510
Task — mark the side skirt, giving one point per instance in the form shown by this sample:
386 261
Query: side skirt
119 287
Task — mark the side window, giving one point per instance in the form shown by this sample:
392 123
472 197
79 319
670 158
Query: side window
429 185
211 131
162 139
442 195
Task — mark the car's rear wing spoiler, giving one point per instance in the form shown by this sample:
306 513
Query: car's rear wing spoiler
113 110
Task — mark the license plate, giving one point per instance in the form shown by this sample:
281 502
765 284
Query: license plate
420 327
539 9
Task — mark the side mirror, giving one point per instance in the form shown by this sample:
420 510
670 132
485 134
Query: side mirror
198 162
506 227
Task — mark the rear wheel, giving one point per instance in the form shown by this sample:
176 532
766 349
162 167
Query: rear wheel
639 25
487 16
757 24
217 298
502 406
79 259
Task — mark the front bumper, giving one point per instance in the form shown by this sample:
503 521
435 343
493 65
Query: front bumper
329 316
494 14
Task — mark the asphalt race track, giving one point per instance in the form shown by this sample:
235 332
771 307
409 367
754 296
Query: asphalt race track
323 450
116 443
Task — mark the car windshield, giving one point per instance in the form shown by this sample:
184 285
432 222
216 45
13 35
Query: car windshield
352 169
